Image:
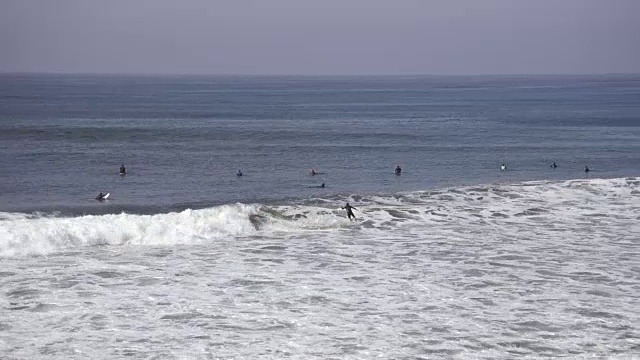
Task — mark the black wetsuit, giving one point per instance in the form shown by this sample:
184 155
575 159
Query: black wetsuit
350 211
123 170
398 170
554 165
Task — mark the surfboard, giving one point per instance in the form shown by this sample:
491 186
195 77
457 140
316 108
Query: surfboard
122 174
106 196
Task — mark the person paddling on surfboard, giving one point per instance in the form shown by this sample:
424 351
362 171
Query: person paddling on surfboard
123 170
350 209
398 170
100 196
586 169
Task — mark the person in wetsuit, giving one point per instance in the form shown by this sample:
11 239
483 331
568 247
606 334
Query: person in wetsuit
123 170
239 173
322 186
398 170
586 169
350 209
554 165
100 197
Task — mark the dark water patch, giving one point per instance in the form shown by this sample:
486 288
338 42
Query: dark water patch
499 214
47 307
6 273
108 274
599 293
274 248
148 281
473 273
432 212
275 261
597 314
182 316
24 293
493 263
249 282
534 326
510 257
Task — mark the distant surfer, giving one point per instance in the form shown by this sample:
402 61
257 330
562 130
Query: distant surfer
322 186
239 173
554 165
350 209
586 169
123 170
398 170
313 172
503 167
100 197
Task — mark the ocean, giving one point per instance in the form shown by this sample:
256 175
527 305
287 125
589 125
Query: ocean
454 258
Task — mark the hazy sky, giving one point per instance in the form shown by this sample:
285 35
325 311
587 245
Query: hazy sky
320 36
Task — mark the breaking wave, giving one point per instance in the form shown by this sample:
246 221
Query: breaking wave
593 207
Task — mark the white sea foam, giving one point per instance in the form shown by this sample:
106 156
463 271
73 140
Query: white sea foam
610 205
531 270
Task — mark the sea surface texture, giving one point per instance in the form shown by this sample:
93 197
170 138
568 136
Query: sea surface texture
454 258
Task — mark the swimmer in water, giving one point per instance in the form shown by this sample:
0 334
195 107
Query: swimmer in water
398 170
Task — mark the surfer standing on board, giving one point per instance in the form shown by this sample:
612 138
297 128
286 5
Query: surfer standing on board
350 209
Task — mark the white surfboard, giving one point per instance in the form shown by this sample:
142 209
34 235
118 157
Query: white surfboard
106 196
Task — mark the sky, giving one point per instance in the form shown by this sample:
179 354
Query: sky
320 37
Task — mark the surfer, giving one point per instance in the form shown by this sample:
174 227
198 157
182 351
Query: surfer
123 170
313 172
350 209
586 169
398 170
554 165
503 167
100 197
239 173
322 186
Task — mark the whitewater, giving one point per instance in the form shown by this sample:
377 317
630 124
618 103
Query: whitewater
529 269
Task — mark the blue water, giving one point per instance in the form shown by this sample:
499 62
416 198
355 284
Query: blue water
184 138
452 259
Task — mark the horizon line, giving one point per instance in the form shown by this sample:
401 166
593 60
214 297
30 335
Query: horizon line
151 74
